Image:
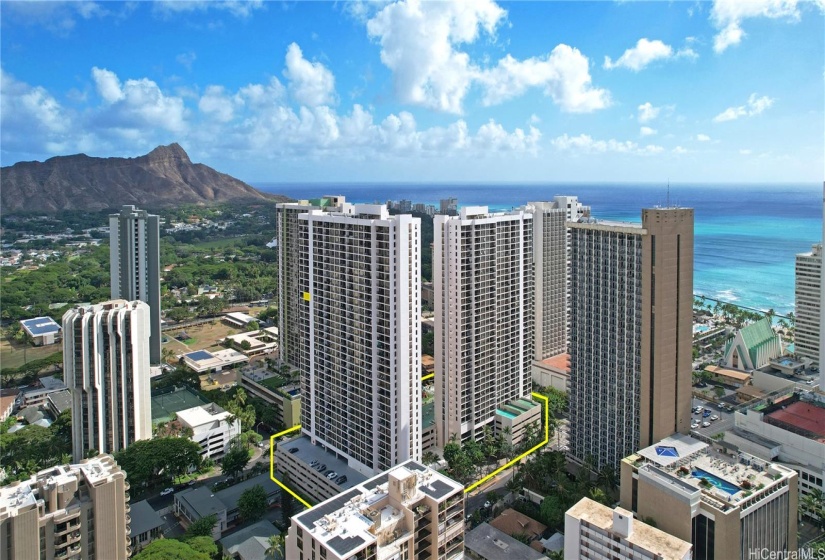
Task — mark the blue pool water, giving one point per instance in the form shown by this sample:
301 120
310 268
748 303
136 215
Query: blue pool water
700 328
719 483
505 413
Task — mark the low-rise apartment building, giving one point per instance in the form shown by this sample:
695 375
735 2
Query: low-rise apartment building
409 511
212 427
67 511
593 530
285 399
726 506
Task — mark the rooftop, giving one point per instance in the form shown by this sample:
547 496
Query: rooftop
365 514
642 535
144 518
200 415
61 400
559 362
689 465
202 360
805 416
758 333
40 326
200 501
250 542
510 521
229 496
488 542
728 372
307 453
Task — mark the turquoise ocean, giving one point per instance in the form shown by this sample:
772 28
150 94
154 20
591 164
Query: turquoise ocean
746 236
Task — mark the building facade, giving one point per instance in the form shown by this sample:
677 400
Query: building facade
630 333
106 367
753 346
593 530
134 250
727 505
212 427
359 337
288 243
410 511
808 303
484 288
67 511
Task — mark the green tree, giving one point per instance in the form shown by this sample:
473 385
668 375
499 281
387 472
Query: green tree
235 460
552 511
275 547
170 549
202 527
204 545
429 457
252 503
252 326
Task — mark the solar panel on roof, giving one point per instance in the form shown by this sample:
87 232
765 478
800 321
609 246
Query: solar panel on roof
40 326
666 451
200 355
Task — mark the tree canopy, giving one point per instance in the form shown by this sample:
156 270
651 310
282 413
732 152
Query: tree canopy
171 549
252 503
158 460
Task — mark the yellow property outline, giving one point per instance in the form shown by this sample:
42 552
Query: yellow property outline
466 490
426 377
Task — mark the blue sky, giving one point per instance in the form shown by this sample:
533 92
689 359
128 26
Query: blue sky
723 91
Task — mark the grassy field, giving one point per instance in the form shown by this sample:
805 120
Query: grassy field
15 354
202 337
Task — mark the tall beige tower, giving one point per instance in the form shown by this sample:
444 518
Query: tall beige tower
67 511
808 306
631 333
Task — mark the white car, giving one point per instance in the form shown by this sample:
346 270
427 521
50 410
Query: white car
705 424
714 417
694 425
166 491
487 504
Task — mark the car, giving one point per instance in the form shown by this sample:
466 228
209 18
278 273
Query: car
295 450
341 479
705 424
192 482
167 491
694 425
699 409
313 464
332 474
705 414
810 382
714 417
487 504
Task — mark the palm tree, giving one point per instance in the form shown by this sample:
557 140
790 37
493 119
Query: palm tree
275 547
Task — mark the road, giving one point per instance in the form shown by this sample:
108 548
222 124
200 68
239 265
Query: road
724 423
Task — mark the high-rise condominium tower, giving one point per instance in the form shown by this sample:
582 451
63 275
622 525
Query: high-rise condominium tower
808 303
67 511
289 297
484 293
359 334
134 249
631 333
106 366
550 254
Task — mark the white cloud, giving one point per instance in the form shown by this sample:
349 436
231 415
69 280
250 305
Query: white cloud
534 119
754 106
646 52
311 83
646 131
564 75
27 112
647 112
585 143
679 150
215 102
61 18
702 138
420 43
745 152
136 105
238 8
727 16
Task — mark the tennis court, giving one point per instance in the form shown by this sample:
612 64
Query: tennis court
167 404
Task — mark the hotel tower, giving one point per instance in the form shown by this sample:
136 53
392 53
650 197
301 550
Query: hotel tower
630 333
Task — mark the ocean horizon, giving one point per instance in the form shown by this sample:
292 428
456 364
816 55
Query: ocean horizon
747 235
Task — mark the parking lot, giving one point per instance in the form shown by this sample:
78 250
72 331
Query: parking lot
725 421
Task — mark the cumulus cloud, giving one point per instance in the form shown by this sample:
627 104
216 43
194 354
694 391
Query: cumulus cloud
647 112
186 59
61 18
702 138
727 16
645 52
421 44
646 131
311 83
679 150
585 143
133 106
754 106
564 75
30 117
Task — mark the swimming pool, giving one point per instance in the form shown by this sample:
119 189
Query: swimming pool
700 329
719 483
